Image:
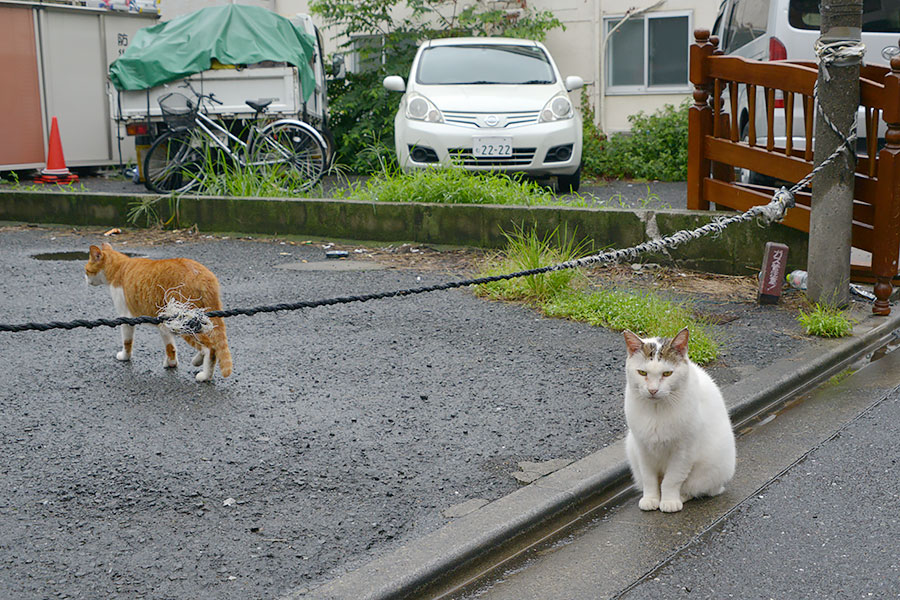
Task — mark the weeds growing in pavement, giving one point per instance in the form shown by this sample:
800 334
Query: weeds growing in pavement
566 294
452 186
16 185
526 250
826 321
646 314
222 176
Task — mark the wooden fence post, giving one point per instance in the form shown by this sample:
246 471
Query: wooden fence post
887 209
699 120
721 171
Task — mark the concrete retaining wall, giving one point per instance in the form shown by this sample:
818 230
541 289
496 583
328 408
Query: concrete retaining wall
736 251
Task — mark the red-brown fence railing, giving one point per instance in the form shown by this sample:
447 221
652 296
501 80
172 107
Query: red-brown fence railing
741 106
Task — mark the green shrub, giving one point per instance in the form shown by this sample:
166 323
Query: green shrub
655 149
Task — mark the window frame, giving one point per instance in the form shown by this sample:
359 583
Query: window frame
631 90
375 42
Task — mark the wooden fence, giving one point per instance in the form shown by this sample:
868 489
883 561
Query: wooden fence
726 136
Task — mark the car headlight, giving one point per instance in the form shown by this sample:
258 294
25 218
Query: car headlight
557 109
420 108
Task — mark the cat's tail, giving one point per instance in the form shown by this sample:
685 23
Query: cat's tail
220 345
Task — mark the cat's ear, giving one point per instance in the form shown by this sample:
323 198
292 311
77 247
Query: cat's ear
95 253
680 342
107 246
633 342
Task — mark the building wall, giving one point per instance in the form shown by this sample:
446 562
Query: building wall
580 50
169 9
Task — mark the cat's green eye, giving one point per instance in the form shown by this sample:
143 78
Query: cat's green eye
642 373
666 373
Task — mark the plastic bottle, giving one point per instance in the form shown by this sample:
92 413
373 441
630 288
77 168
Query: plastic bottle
797 279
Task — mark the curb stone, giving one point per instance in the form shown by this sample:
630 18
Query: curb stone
465 540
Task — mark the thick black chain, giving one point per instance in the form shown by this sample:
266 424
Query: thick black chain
768 213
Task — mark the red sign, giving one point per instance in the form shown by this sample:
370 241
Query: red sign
771 278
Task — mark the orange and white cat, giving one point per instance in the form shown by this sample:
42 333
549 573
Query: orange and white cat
142 286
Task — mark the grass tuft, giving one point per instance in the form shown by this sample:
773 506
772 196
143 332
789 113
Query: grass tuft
826 321
526 250
647 315
453 186
562 294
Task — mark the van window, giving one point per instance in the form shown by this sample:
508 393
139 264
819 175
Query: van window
749 20
879 16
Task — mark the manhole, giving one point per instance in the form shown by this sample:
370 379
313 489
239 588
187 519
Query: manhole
77 255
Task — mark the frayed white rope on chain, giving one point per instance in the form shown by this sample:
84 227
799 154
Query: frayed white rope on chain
839 51
183 317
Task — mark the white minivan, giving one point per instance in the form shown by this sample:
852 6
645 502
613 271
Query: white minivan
488 104
788 30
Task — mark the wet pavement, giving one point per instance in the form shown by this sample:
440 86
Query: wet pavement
812 513
344 433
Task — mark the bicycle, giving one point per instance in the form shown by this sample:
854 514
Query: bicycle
176 161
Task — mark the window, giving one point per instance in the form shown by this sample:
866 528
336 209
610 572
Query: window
484 64
749 20
882 16
649 53
367 54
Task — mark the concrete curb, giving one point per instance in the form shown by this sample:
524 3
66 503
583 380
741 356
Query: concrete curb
466 540
738 250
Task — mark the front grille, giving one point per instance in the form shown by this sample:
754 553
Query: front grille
476 120
521 157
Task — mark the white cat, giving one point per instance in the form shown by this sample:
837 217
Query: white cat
680 444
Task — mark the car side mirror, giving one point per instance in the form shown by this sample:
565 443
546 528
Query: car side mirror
574 82
394 83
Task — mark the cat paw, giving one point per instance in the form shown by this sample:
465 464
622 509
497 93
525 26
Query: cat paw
670 506
123 356
648 503
203 376
170 363
198 359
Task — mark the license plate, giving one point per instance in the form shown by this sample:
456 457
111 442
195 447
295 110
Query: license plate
492 147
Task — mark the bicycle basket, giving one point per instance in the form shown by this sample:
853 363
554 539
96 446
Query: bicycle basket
178 111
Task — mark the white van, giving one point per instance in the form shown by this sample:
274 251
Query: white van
788 30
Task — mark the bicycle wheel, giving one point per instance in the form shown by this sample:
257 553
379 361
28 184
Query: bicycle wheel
293 152
175 162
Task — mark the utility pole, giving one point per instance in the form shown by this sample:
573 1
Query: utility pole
831 214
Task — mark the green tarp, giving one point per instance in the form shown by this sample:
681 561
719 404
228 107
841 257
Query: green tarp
232 34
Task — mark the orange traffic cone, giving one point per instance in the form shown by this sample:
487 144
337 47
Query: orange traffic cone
56 171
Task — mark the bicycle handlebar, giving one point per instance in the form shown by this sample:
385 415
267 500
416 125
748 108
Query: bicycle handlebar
211 97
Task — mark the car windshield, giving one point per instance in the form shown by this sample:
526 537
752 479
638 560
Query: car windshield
484 65
879 16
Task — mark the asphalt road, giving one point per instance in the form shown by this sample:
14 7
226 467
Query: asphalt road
811 513
826 528
343 432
